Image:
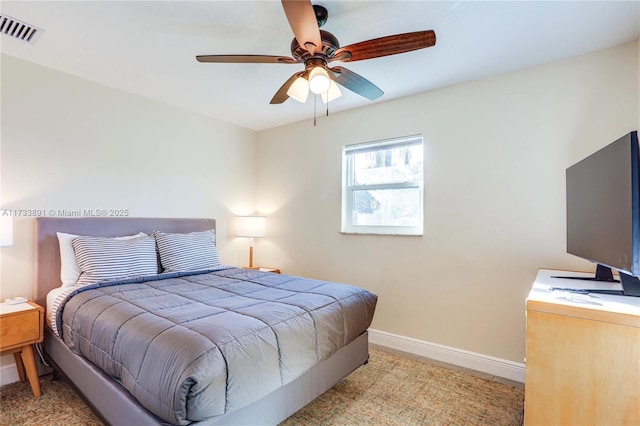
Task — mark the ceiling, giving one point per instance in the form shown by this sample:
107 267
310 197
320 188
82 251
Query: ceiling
149 47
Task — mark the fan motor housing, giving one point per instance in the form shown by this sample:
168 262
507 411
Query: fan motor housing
329 45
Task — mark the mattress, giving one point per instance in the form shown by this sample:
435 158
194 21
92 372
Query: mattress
54 298
192 346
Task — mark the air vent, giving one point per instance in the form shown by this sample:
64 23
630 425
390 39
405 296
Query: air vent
17 29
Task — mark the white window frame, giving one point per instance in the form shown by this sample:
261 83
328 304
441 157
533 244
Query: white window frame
348 188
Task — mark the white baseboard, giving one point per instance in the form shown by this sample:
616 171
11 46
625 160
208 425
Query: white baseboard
8 374
459 357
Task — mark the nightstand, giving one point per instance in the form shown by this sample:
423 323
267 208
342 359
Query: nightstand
21 326
261 268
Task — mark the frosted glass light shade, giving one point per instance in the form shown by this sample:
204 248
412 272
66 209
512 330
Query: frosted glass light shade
299 90
6 231
319 81
331 94
251 226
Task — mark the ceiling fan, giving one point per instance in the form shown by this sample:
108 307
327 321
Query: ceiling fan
317 48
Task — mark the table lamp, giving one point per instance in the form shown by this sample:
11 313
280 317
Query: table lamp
251 227
6 231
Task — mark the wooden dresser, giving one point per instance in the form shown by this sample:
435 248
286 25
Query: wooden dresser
583 355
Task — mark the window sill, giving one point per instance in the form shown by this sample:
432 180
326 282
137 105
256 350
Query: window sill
381 235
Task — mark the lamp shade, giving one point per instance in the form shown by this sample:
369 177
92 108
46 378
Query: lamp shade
318 80
299 90
6 231
331 94
251 226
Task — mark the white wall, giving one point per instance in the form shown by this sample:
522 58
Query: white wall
496 150
68 143
495 155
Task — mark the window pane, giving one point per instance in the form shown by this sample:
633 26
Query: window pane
382 187
386 207
391 165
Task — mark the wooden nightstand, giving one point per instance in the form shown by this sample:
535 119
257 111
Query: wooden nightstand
262 268
21 326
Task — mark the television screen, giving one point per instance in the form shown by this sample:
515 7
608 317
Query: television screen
603 206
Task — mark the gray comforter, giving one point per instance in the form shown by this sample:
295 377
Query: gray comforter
193 346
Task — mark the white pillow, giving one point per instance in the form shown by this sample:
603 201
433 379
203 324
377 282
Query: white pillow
69 269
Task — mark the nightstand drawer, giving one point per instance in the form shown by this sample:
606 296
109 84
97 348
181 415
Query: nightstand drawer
19 328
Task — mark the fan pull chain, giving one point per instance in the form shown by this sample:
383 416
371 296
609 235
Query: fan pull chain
315 99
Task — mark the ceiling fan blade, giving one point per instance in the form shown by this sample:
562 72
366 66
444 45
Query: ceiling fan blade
303 23
355 82
242 59
281 94
385 46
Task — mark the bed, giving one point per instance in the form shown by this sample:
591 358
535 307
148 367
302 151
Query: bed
248 393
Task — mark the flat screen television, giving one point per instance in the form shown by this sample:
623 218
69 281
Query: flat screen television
603 212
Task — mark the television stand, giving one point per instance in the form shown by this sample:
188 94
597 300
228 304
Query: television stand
587 279
603 273
630 284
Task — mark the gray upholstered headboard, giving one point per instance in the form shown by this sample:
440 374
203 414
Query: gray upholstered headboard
47 249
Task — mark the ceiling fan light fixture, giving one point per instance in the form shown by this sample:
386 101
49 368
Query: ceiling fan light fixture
316 49
319 81
331 94
299 90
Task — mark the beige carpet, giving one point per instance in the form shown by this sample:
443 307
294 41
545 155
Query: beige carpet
389 390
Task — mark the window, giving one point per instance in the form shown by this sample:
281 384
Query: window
382 187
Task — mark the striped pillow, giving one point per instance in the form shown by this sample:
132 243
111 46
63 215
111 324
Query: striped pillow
109 258
187 252
69 269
